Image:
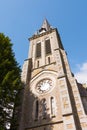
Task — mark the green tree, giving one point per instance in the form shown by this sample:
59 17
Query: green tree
10 81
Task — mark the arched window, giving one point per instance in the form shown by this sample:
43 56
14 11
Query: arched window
52 106
44 108
36 109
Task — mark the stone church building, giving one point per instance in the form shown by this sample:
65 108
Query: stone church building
52 99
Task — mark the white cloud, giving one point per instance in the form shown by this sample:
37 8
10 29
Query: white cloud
81 75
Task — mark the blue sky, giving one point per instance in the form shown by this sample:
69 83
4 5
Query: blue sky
19 19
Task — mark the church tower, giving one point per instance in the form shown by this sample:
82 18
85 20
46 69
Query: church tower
53 99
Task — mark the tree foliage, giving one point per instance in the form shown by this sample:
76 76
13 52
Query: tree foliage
10 82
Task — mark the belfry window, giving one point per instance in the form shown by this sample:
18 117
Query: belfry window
47 46
38 50
52 106
36 109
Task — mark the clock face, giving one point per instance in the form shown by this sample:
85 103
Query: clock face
44 85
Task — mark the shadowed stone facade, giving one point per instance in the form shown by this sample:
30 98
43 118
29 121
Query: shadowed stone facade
53 99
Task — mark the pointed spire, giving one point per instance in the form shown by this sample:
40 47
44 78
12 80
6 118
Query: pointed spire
45 26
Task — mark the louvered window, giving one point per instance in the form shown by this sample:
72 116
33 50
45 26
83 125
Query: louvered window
47 46
38 50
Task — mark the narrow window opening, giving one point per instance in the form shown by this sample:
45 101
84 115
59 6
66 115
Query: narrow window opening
38 50
37 63
44 108
52 106
47 46
48 60
36 111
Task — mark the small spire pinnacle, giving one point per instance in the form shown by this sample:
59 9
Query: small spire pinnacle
45 26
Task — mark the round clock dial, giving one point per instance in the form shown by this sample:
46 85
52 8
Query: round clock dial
44 85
